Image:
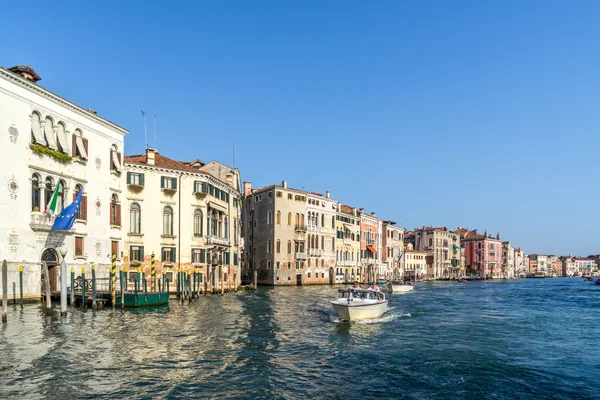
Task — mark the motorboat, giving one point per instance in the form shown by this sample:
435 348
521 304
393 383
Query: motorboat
400 287
357 304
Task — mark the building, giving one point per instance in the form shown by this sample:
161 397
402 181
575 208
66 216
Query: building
50 140
483 253
521 266
508 260
289 236
393 250
185 213
443 251
347 244
533 264
414 263
371 229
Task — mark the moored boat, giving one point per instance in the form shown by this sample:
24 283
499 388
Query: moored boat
400 287
355 305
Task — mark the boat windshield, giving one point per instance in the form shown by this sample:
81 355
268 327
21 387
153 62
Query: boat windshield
359 294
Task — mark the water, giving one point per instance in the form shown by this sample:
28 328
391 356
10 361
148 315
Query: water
533 338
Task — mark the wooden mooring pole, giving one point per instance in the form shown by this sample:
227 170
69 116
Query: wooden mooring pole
47 284
72 286
255 278
4 291
21 284
93 286
82 287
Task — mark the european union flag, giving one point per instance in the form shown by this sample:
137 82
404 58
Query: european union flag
65 220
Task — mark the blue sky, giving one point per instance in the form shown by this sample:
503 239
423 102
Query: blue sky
448 113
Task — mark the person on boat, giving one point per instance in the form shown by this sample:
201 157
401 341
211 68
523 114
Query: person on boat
374 288
355 289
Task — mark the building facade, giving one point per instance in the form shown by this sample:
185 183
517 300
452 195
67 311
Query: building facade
51 142
187 215
348 267
483 254
508 260
415 263
443 251
370 247
393 250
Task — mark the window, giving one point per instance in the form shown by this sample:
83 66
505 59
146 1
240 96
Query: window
270 194
37 136
168 221
278 217
333 222
134 178
168 183
278 246
198 216
115 211
115 159
114 248
82 211
78 246
277 265
290 196
136 253
197 256
213 223
48 190
135 219
226 227
60 199
278 194
35 193
168 254
269 217
289 247
79 146
323 220
269 245
289 218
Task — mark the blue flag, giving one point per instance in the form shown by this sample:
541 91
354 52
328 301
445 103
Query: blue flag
65 220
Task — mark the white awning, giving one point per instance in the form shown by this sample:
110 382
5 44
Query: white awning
81 147
62 138
49 131
348 227
216 206
36 128
115 160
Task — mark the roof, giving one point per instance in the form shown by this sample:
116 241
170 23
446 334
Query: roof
27 69
164 162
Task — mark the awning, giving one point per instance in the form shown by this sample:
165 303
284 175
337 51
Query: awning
348 227
455 247
372 249
216 206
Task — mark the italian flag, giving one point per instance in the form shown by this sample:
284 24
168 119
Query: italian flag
51 206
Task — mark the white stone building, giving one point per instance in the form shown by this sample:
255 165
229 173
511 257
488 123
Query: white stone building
508 260
47 139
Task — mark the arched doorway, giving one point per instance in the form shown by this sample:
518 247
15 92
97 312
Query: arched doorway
331 276
50 256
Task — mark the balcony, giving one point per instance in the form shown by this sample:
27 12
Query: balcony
300 228
314 228
300 237
368 261
40 222
300 256
347 241
216 240
315 252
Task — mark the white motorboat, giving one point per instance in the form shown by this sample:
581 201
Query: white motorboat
354 305
400 287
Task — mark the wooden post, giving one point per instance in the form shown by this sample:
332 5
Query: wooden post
113 280
145 286
123 286
194 283
72 286
82 287
4 291
93 286
21 284
153 271
255 278
47 284
222 281
207 280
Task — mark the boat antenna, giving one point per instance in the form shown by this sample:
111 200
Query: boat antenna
145 134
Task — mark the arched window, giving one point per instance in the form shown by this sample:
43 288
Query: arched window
115 211
302 219
60 199
289 249
213 223
297 219
226 227
35 193
48 190
333 222
269 217
289 218
323 220
135 218
278 246
278 217
269 245
37 136
168 221
49 133
198 217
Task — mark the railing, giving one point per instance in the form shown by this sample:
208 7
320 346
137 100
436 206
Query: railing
300 236
314 228
315 252
348 241
217 240
39 221
300 228
300 256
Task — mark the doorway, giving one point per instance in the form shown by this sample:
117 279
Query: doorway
298 279
50 256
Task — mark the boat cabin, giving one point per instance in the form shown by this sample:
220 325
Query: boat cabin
360 294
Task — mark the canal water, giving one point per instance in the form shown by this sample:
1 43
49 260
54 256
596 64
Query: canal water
532 338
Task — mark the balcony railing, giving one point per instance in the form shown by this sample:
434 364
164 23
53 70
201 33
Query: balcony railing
217 240
348 241
300 256
315 252
314 228
39 221
300 228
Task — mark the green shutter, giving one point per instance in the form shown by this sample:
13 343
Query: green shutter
192 257
205 187
129 178
174 254
227 258
234 258
142 253
202 255
195 187
162 182
174 183
130 253
162 254
142 179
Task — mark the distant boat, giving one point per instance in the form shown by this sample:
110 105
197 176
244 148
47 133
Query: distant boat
400 287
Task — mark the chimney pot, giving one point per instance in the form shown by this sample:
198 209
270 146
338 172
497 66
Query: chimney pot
284 184
151 156
373 214
247 188
327 194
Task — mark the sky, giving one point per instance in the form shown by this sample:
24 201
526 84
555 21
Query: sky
477 114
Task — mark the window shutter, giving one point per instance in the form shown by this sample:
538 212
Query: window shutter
142 179
120 160
162 182
174 254
202 255
195 187
83 212
174 183
85 147
131 253
162 254
192 256
110 213
129 178
204 187
234 258
118 215
74 147
142 253
227 258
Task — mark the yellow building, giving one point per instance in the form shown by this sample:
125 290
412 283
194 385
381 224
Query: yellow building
347 264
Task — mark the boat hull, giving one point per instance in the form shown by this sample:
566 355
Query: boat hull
402 288
357 312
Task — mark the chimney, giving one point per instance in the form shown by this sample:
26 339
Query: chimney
229 179
151 156
362 210
26 72
354 211
247 188
284 184
373 214
327 194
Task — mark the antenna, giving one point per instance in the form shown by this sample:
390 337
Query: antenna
154 131
145 135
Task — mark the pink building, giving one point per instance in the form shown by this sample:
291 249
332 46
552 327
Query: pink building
483 253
